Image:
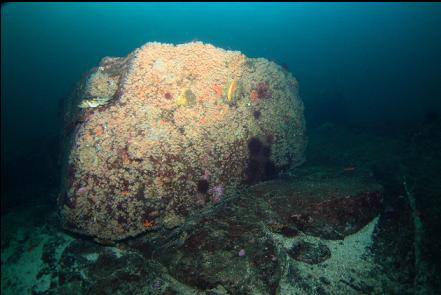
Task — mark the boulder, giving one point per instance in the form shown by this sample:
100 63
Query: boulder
170 130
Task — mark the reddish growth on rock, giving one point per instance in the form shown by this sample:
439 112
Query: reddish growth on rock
263 90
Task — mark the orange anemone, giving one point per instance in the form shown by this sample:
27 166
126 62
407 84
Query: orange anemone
253 95
218 89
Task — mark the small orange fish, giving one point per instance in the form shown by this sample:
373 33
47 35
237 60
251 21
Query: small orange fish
349 169
148 224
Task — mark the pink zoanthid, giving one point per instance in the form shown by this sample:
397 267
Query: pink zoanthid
217 193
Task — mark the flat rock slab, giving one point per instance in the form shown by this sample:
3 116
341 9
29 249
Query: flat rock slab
330 208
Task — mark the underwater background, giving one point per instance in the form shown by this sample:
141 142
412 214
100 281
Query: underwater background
369 76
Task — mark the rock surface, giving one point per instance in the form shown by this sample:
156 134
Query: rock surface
169 130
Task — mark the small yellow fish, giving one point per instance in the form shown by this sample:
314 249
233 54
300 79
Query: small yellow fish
231 90
187 98
182 100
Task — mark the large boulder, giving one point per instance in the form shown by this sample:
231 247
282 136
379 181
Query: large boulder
169 130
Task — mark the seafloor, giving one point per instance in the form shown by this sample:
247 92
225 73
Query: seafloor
359 217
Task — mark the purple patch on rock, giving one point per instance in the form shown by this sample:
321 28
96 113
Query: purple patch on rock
263 90
217 193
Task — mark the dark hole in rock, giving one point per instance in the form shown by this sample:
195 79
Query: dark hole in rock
259 166
257 114
252 171
269 171
254 146
266 152
203 186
